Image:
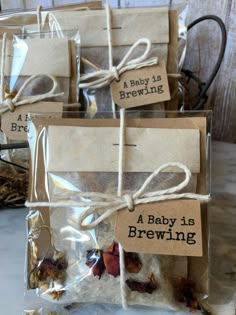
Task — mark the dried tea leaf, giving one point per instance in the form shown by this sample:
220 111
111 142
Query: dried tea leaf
94 260
111 260
133 263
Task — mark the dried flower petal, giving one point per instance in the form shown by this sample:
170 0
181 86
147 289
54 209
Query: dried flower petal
33 279
152 284
111 260
185 292
136 285
48 270
58 255
43 286
34 252
132 262
57 294
94 260
143 287
61 263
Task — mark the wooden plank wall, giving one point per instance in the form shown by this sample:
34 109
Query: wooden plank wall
203 47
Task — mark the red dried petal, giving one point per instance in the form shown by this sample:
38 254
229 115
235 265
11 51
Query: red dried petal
152 284
113 249
47 269
143 287
61 263
112 264
94 260
132 262
185 292
111 260
136 286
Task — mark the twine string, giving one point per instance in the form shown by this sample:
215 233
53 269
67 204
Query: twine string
18 99
121 160
101 78
9 103
108 204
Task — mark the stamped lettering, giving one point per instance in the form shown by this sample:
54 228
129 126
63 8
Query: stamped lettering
141 87
168 227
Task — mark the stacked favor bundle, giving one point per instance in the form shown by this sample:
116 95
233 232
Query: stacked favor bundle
118 176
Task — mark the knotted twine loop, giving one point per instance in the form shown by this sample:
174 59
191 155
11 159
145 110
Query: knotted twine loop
103 78
108 204
129 202
112 206
9 102
18 99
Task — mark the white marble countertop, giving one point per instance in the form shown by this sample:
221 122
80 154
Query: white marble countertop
223 226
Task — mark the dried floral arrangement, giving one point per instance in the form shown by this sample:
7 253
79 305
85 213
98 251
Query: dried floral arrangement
13 187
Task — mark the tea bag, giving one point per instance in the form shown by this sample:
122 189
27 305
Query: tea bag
61 181
49 4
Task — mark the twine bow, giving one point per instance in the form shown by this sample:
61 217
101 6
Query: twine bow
18 100
114 203
103 78
106 204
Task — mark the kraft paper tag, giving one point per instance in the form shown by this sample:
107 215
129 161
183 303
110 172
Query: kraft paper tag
15 124
140 87
168 228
